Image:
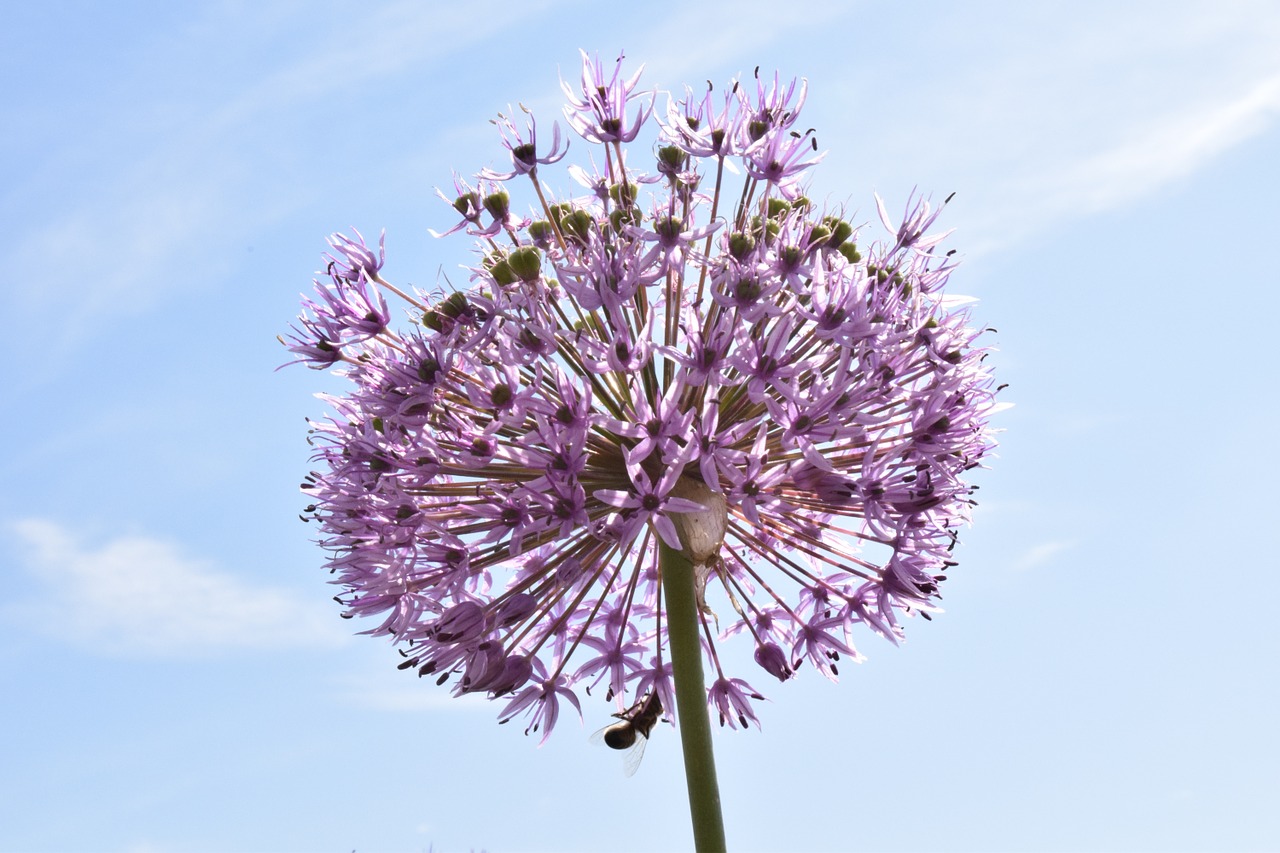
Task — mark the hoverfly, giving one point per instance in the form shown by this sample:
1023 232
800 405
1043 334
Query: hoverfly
632 733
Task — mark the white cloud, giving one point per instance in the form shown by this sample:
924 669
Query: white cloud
134 595
1040 554
1059 112
163 190
1166 149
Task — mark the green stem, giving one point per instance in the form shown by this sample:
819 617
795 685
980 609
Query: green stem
691 699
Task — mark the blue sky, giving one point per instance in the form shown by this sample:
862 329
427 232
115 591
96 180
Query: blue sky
175 673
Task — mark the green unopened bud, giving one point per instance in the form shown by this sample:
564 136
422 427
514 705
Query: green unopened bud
820 235
741 245
526 263
465 204
502 273
454 304
668 227
541 232
525 155
429 367
840 231
623 195
778 208
850 252
620 219
747 289
577 225
498 204
670 159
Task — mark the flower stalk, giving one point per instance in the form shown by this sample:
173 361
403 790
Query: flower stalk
683 630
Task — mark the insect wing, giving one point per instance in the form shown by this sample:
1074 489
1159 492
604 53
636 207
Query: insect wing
633 755
631 735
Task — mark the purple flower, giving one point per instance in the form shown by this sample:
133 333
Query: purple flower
598 109
791 404
731 697
777 158
524 154
697 129
771 110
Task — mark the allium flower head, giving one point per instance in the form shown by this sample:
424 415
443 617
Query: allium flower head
734 372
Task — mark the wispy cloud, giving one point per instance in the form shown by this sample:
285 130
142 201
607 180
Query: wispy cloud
1164 149
135 595
162 190
1038 555
1053 113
